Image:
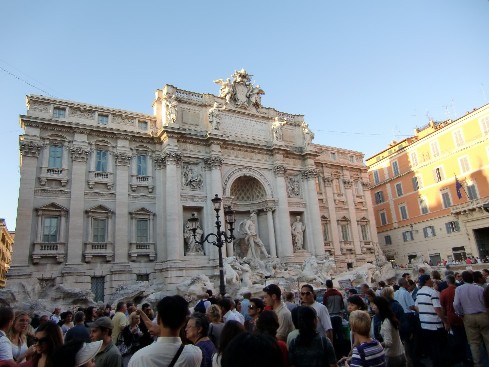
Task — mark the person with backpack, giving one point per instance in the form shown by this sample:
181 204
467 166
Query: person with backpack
203 304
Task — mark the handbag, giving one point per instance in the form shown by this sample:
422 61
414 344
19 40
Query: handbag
176 356
121 345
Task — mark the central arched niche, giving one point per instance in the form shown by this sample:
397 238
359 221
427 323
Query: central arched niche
247 189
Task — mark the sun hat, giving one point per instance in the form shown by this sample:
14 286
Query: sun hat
87 352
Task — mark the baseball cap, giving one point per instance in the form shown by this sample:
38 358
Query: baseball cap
102 322
87 352
273 289
423 279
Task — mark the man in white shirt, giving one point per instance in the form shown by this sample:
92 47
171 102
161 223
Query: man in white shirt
172 313
6 321
308 298
226 305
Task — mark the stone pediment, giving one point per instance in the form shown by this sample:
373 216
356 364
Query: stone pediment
99 209
343 219
142 211
363 219
52 207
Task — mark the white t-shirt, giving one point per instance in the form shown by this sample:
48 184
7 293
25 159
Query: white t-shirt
324 322
426 300
5 348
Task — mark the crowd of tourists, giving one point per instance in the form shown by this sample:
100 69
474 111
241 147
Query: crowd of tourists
414 322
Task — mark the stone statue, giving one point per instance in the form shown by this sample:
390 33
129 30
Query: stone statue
231 276
254 95
298 234
240 92
171 110
308 135
277 129
191 178
226 90
214 116
192 246
252 238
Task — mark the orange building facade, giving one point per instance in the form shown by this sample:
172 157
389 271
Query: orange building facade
428 191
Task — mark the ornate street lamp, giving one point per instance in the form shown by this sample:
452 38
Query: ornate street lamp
219 238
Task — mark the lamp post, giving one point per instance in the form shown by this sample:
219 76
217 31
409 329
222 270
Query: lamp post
219 238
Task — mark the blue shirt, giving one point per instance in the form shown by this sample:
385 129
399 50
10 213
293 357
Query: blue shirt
405 299
469 299
369 354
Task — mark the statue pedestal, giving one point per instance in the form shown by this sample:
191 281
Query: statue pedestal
298 258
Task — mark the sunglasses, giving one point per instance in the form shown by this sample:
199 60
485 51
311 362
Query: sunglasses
40 340
306 293
251 307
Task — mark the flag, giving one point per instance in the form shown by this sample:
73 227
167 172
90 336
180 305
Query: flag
458 188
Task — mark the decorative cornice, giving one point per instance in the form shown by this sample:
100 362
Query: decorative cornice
173 157
328 181
347 183
79 154
214 161
159 161
279 170
30 149
310 173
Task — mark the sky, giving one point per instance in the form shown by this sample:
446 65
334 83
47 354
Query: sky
362 72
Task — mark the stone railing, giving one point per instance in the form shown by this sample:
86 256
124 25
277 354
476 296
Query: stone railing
103 249
190 96
48 249
54 174
100 177
142 249
144 181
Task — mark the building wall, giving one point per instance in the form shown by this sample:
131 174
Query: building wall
435 155
6 248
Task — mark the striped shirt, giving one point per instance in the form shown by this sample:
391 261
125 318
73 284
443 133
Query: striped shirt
370 354
427 300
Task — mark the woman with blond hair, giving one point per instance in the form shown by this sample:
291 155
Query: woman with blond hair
17 335
214 316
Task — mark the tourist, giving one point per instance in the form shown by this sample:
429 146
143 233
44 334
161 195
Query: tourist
230 330
226 305
119 320
388 294
55 316
308 298
289 301
366 351
295 320
67 321
76 354
128 341
267 324
203 304
272 298
90 315
334 302
265 352
310 348
109 355
146 313
216 325
79 331
389 330
17 335
48 338
172 313
245 303
196 331
255 308
6 322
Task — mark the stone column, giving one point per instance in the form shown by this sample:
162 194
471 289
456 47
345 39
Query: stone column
30 153
79 157
159 164
271 231
314 222
328 182
174 224
370 212
353 215
214 163
284 238
121 243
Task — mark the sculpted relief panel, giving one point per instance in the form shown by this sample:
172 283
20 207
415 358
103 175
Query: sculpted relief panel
192 178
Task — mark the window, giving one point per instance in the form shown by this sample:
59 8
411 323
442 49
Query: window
333 156
416 183
50 229
452 226
103 119
458 138
358 188
435 150
142 230
376 177
447 200
383 218
429 231
325 231
55 156
485 125
142 277
395 168
352 159
423 206
464 164
142 165
379 197
364 230
414 159
143 125
59 113
345 232
101 161
98 284
99 229
399 189
407 236
472 191
403 211
388 240
438 174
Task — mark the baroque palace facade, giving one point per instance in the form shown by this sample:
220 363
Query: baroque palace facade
429 191
105 194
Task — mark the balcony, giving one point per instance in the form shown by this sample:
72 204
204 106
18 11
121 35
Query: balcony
54 174
367 247
142 249
470 206
100 249
100 177
347 247
48 249
142 181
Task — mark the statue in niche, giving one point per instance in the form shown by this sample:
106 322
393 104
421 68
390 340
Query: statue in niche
191 178
308 135
193 248
297 230
293 187
226 90
214 116
171 110
277 129
252 238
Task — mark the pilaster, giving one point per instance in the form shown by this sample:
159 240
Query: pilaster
353 216
174 222
310 175
122 161
284 238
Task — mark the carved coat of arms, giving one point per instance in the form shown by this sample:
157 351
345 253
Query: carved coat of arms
240 92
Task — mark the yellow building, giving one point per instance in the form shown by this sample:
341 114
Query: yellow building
418 209
6 243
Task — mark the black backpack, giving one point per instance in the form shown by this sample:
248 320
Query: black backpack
200 307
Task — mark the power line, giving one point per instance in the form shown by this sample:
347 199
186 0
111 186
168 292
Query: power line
24 81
